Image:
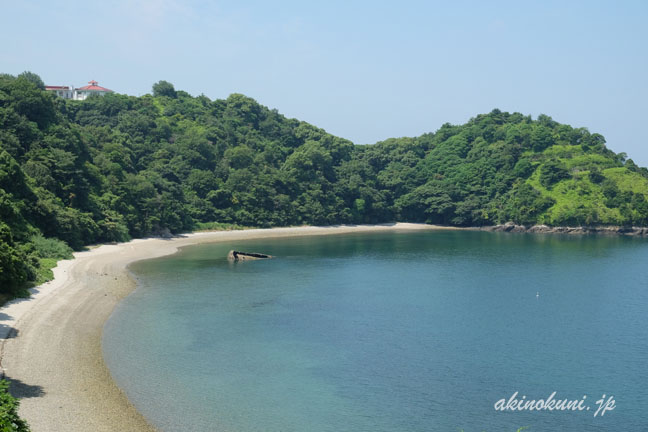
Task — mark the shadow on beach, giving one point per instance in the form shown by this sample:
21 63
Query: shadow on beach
21 390
7 331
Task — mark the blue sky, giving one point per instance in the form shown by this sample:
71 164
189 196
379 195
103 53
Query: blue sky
363 70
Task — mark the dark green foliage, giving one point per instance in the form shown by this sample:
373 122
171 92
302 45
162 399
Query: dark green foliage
164 88
525 204
523 168
115 167
552 172
14 268
33 78
9 420
595 175
541 137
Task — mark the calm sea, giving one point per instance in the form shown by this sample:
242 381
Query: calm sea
394 331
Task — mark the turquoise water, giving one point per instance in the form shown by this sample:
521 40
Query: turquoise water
387 332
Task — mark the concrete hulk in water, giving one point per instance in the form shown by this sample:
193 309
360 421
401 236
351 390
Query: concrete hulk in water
244 256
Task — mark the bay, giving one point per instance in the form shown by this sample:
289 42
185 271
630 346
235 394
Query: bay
398 331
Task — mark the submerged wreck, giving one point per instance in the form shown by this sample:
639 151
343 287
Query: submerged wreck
244 256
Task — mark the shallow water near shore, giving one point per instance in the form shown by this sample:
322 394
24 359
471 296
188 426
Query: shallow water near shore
397 331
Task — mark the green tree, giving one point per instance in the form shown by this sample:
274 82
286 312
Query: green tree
525 205
164 88
551 172
33 78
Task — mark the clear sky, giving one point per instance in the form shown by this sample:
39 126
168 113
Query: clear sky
363 70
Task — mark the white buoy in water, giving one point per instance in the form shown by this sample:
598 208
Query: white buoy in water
537 294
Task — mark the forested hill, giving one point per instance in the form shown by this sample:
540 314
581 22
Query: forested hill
115 167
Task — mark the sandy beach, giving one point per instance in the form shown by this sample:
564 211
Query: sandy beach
51 343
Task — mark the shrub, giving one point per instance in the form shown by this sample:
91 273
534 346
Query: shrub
50 247
9 420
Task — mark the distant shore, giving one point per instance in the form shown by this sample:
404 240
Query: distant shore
51 343
545 229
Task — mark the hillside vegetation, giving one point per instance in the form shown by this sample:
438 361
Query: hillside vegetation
115 167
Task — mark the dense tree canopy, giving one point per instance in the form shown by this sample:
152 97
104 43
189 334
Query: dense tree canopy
115 167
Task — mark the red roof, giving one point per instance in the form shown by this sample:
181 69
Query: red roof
94 87
57 88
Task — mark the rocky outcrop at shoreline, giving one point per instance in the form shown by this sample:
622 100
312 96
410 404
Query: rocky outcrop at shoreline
610 230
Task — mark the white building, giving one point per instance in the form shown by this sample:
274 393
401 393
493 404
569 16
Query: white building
85 91
81 93
61 91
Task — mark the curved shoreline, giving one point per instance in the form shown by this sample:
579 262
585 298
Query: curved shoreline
51 343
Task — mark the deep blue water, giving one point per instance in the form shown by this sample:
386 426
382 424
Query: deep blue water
387 332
